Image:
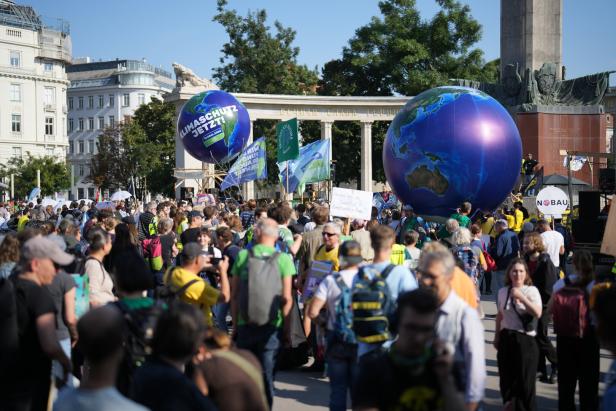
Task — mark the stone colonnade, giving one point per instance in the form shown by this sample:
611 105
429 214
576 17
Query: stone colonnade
324 109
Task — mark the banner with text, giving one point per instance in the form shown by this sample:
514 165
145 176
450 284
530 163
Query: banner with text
351 203
311 166
287 138
250 165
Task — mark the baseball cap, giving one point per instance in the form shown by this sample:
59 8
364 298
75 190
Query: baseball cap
350 252
191 251
41 247
194 214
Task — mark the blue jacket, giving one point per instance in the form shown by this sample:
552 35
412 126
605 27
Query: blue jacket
505 248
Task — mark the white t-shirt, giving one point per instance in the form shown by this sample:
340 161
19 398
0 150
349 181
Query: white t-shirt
329 292
511 320
553 240
105 399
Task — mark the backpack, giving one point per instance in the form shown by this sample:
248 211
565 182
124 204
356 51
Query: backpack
138 332
570 310
261 290
281 246
372 304
469 260
343 314
167 293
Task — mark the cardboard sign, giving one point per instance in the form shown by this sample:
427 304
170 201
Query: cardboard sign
351 203
608 245
552 201
205 199
318 271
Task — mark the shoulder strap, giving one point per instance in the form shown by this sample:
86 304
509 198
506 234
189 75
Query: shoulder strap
340 282
387 271
183 288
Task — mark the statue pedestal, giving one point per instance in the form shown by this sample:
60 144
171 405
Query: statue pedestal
547 131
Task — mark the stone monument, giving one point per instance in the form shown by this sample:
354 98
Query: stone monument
552 113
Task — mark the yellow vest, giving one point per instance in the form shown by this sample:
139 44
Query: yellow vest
397 254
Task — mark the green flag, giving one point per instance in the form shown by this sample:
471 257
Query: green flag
288 145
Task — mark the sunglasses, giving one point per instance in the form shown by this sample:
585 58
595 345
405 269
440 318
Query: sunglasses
328 234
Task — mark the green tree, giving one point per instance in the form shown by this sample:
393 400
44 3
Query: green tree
55 175
399 52
259 59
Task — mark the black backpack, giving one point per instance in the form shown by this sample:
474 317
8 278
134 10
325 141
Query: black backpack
138 333
168 294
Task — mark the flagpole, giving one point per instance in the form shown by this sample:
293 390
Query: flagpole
287 189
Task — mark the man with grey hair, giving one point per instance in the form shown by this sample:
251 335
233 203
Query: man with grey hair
262 339
447 231
458 324
505 248
148 221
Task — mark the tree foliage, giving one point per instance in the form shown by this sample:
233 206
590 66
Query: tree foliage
55 175
399 52
143 149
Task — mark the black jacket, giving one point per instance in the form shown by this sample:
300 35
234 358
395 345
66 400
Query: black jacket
544 276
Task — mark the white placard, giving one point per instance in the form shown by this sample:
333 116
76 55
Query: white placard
351 203
552 201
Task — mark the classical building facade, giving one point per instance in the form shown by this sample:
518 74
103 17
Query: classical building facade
102 94
33 83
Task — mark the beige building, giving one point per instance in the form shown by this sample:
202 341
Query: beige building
33 83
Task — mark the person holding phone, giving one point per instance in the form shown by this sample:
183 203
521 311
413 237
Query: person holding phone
416 371
519 307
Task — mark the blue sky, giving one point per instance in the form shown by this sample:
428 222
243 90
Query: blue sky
182 31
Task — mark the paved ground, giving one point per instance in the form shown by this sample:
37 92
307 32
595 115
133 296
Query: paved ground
307 391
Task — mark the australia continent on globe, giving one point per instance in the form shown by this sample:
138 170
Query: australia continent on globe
449 145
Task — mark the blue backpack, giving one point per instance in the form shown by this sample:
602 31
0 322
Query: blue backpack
343 315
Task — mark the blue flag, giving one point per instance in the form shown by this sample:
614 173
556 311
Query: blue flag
34 193
311 166
250 165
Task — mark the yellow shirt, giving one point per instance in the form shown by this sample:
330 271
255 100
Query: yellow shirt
21 223
487 227
397 254
510 221
199 294
519 220
331 255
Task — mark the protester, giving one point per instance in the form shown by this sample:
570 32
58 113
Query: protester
553 240
334 293
232 377
148 221
260 302
124 241
195 222
101 283
461 216
311 241
519 307
543 275
504 250
185 280
302 217
100 343
412 253
362 236
168 241
445 233
458 324
26 387
247 216
416 372
161 384
9 254
577 346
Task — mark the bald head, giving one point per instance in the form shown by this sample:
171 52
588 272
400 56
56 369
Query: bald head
100 334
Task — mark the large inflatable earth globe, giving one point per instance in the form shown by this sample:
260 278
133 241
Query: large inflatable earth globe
449 145
214 126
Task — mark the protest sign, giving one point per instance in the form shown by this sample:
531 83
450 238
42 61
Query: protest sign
317 272
552 201
351 203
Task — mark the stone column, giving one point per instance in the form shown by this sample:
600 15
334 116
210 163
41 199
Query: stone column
366 156
248 189
326 134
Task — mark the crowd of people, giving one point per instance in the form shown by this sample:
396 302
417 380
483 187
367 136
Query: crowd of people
170 306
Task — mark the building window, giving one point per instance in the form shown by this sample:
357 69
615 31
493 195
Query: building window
71 125
127 119
15 58
141 98
80 192
81 147
91 146
101 123
80 124
71 147
80 105
111 100
17 152
90 101
101 101
70 103
91 192
49 151
15 92
81 172
125 100
111 121
49 96
48 66
49 126
16 123
90 123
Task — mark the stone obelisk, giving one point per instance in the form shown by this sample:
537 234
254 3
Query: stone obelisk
531 34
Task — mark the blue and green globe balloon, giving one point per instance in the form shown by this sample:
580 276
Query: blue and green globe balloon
449 145
214 126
